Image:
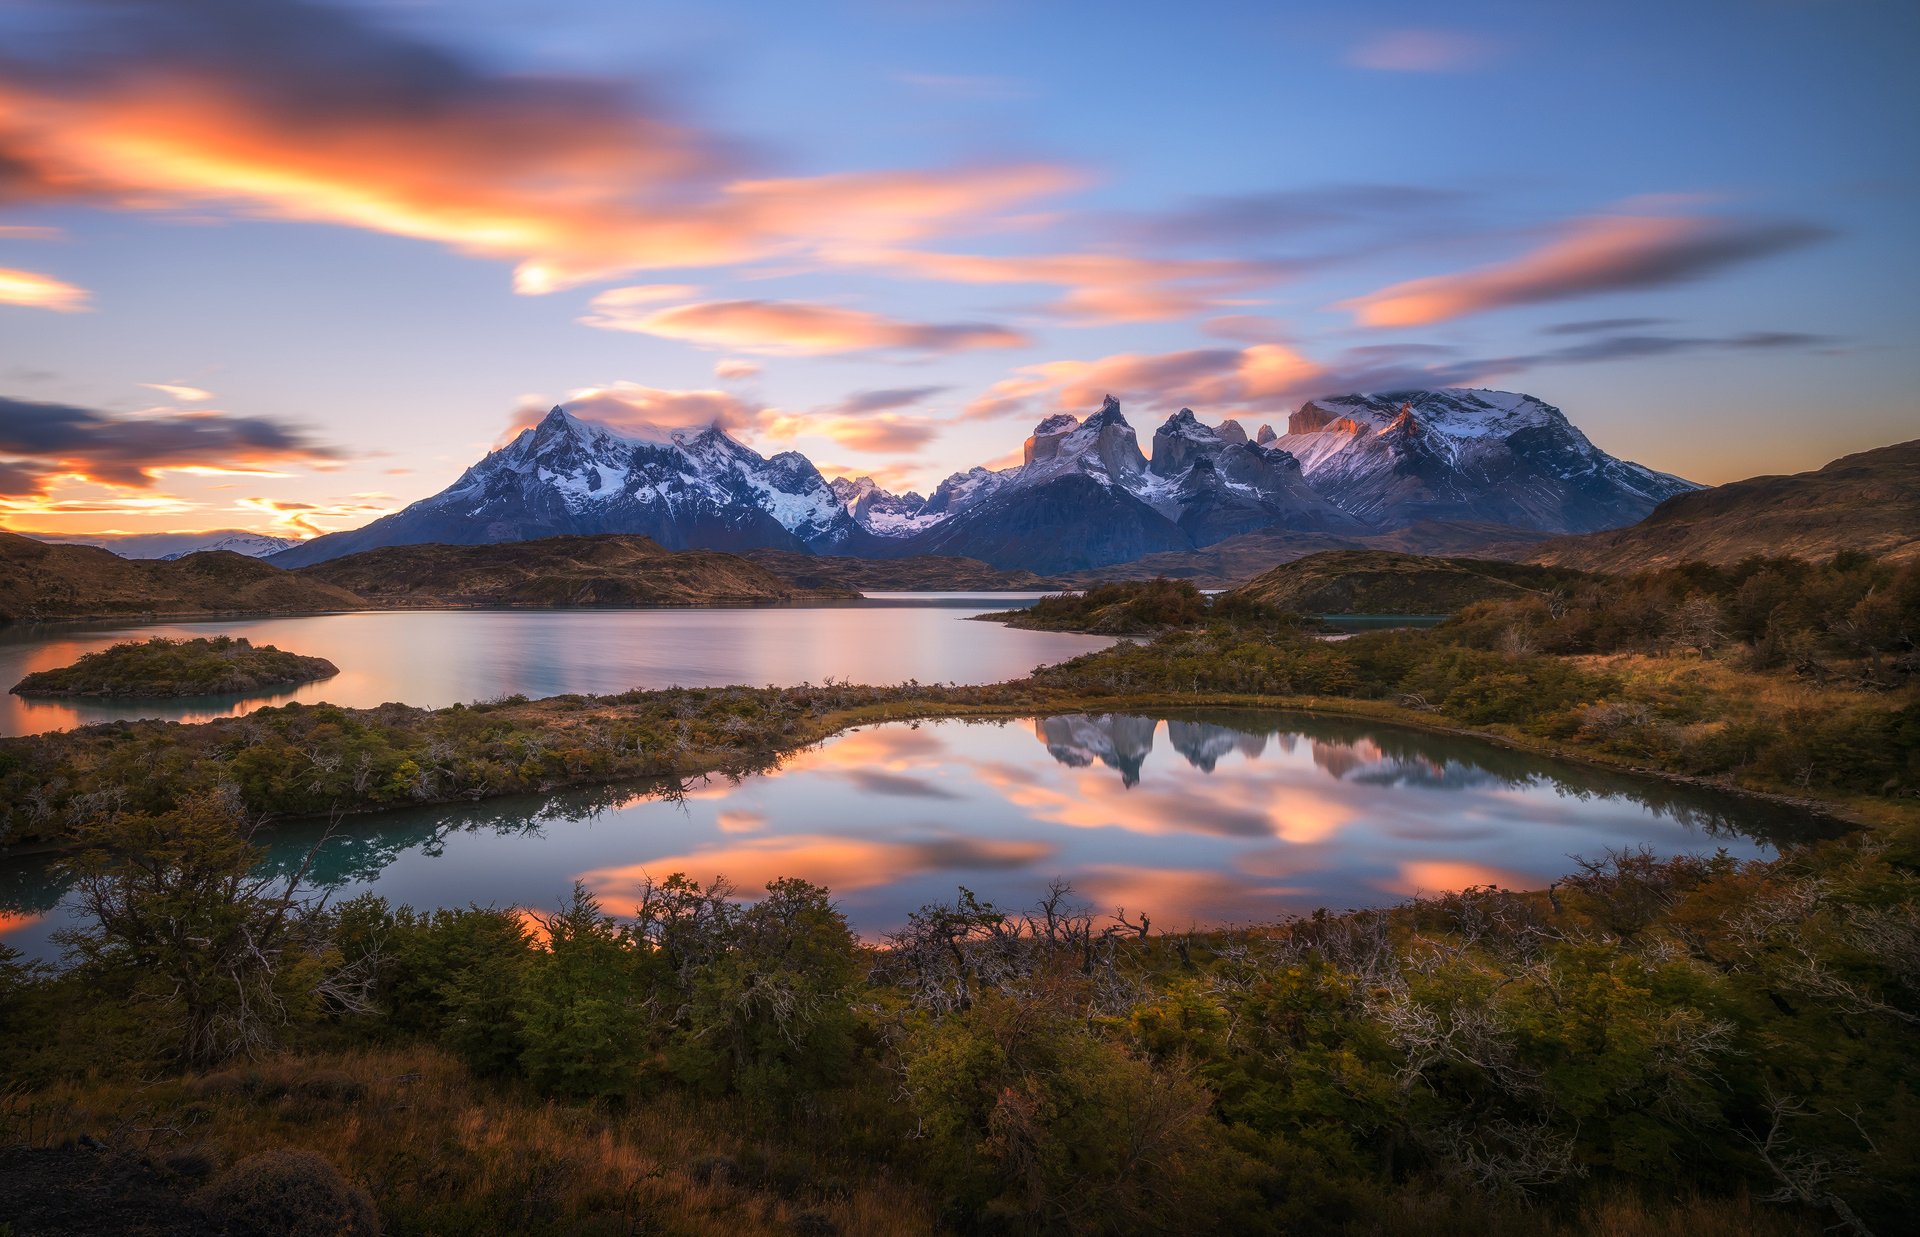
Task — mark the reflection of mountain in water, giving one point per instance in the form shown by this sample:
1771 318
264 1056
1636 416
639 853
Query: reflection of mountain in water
1203 743
1117 740
1365 753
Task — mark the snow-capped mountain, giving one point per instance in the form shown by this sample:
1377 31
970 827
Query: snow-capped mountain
1085 496
179 545
1458 454
683 488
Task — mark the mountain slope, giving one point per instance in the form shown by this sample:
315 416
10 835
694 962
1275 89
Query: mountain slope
607 570
683 489
1377 582
41 581
179 545
1869 502
1459 454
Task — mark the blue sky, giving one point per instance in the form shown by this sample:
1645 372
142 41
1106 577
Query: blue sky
364 240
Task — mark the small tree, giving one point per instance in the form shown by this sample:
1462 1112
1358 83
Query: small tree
173 900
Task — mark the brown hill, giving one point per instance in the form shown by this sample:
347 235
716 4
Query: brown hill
1869 502
608 570
921 571
1241 558
1377 582
42 581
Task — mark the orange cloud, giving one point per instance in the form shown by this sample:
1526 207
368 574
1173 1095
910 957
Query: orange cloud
1103 288
734 370
647 411
40 291
246 109
841 864
795 328
884 432
1262 376
1603 254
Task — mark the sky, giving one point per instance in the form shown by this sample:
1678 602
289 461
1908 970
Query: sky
288 266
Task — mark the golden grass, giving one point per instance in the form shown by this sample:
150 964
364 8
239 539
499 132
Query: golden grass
444 1153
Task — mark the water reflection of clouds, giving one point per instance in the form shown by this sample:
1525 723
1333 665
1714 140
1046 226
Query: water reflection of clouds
1205 818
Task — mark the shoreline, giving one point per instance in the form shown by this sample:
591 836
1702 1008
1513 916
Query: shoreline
707 763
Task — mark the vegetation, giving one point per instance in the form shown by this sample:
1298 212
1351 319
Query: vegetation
610 569
1378 582
1137 607
208 666
39 581
1697 1044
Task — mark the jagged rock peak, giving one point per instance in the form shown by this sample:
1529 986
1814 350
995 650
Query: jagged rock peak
1230 431
1265 436
1045 442
1109 414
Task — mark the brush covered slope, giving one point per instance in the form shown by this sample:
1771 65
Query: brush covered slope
1377 582
919 572
559 572
213 666
42 581
1869 503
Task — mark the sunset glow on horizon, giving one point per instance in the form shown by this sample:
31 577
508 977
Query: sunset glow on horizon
288 265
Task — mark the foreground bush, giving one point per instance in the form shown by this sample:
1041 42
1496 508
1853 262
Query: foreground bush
288 1193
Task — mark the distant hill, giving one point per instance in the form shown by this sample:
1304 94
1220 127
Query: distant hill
179 545
920 572
1376 582
1238 559
42 581
608 570
1869 502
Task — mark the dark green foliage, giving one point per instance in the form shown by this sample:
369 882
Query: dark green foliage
218 665
1140 607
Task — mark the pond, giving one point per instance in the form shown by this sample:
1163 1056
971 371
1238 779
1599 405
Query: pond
434 658
1197 819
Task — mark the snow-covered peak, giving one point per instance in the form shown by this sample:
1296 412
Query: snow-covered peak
1457 412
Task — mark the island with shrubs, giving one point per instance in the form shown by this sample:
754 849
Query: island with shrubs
208 666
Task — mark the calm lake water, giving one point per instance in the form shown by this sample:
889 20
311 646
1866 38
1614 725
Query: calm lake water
1196 818
434 658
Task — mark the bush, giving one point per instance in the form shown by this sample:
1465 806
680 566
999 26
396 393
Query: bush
287 1193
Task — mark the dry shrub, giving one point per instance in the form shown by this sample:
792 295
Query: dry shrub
288 1193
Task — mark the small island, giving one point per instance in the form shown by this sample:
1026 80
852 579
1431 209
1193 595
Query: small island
1139 608
209 666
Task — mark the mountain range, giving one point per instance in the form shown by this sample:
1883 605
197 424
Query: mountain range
1083 496
172 546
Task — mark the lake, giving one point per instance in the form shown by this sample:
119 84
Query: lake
1198 819
434 658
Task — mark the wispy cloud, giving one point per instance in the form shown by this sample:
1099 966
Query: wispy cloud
36 291
182 393
300 110
1263 377
1423 51
733 369
1101 288
1611 253
797 328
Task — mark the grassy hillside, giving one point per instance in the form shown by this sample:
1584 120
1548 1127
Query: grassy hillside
1868 503
41 581
153 668
608 570
1376 582
1236 560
